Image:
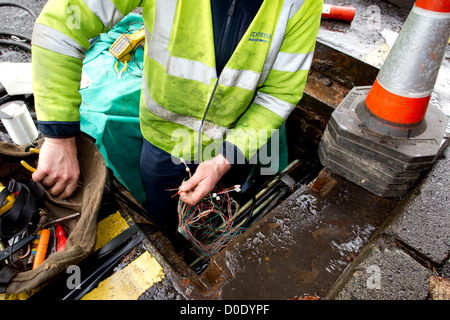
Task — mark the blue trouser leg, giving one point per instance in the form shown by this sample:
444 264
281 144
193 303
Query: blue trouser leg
160 173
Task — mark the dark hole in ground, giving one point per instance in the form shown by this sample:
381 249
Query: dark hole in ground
303 167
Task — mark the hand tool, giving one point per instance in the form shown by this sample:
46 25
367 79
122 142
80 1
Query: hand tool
41 251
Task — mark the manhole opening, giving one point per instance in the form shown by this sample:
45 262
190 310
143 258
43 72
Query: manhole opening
262 193
331 77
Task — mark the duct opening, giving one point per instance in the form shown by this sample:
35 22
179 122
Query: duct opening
328 84
304 129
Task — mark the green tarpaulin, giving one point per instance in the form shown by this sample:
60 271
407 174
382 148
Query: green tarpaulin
110 106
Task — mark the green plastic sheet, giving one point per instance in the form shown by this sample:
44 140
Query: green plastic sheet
110 106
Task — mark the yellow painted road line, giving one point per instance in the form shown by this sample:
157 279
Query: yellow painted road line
109 228
130 282
20 296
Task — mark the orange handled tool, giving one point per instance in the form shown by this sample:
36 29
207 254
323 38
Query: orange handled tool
41 251
330 11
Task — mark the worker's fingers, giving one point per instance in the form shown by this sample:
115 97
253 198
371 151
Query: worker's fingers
63 190
206 176
190 184
193 190
193 197
58 169
56 189
39 176
58 186
47 180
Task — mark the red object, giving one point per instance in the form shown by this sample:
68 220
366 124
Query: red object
434 5
61 236
395 108
330 11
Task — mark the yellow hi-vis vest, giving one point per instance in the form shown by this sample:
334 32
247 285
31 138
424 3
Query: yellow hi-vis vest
182 94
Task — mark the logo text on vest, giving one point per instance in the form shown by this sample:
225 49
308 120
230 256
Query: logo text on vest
260 36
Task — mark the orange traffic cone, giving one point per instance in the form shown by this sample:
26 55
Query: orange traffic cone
397 102
383 137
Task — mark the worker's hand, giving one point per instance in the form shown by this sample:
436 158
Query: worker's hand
58 168
207 175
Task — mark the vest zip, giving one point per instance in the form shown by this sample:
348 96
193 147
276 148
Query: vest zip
226 32
225 37
222 46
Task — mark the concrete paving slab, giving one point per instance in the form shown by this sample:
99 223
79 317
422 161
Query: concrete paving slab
423 219
411 243
383 272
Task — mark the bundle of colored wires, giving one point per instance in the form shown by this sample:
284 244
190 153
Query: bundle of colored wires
208 225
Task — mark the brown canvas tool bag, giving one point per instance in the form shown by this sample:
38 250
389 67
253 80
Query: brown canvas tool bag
34 209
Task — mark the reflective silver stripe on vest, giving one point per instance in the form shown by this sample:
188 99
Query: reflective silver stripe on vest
198 71
164 16
211 130
179 67
290 7
106 11
278 106
190 69
158 45
245 79
292 62
51 39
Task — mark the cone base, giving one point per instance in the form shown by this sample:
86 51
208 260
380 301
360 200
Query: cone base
387 128
384 165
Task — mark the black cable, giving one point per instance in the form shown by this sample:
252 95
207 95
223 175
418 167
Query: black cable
250 214
308 178
9 33
18 5
17 43
203 121
22 45
283 191
270 206
4 98
57 288
135 47
135 30
133 58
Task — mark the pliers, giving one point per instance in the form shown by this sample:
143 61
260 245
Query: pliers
25 164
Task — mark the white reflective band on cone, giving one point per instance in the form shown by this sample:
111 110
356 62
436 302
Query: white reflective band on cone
413 64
